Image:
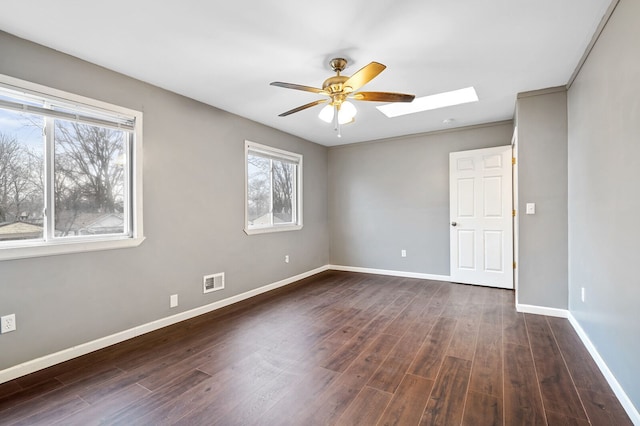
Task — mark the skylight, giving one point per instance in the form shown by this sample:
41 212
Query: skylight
425 103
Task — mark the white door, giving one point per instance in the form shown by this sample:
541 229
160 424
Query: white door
481 225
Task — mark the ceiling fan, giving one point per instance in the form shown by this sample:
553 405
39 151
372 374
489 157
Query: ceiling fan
339 88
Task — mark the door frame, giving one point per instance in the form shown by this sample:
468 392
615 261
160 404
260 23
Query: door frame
514 200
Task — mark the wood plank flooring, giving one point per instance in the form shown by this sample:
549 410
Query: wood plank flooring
337 348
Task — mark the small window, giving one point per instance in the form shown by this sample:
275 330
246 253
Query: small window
273 189
70 172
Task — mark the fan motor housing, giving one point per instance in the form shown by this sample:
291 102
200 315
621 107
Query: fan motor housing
334 84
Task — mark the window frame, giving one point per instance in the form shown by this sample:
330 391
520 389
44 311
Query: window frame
275 153
20 249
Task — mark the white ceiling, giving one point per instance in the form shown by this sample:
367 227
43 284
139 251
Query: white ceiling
225 53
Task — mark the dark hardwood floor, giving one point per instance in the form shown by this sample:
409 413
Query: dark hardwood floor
337 348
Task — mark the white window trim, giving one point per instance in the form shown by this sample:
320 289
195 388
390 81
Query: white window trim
38 248
286 155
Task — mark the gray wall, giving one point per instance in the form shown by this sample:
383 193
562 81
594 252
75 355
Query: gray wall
390 195
541 120
193 218
604 196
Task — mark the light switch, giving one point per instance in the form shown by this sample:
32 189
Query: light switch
531 208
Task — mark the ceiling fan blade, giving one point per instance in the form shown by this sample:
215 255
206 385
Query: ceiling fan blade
364 75
298 87
382 97
300 108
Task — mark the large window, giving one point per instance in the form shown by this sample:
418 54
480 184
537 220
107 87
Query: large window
70 177
273 189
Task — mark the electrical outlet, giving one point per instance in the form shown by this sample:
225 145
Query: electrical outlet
286 258
8 323
173 301
403 253
582 294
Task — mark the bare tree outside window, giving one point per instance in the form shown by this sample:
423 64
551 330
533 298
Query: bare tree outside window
259 188
283 191
89 186
89 177
272 188
21 169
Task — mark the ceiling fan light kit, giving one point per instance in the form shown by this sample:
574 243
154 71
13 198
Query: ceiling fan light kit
345 111
339 88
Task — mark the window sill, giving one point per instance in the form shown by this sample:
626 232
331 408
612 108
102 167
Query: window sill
54 249
270 229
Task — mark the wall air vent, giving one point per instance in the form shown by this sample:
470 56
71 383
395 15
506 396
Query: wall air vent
213 282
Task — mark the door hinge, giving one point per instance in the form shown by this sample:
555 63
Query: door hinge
514 265
513 213
513 160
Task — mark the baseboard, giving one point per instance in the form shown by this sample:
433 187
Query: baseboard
402 274
85 348
628 406
542 310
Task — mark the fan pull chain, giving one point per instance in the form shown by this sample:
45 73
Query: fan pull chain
336 121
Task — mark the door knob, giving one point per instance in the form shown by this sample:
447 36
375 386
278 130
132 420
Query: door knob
454 224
